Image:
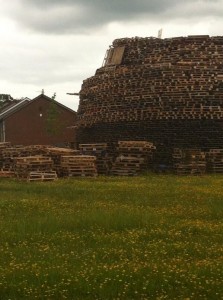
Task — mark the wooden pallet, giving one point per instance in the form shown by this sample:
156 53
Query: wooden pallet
4 145
7 174
42 176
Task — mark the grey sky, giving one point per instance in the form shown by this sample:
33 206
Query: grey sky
83 16
56 44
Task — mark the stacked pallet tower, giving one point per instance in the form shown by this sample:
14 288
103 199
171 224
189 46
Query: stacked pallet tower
35 168
166 91
56 154
79 165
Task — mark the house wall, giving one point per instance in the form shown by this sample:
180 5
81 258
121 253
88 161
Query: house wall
40 123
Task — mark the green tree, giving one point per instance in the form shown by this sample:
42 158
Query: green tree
4 98
52 121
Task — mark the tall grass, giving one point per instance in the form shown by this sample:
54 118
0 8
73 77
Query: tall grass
150 237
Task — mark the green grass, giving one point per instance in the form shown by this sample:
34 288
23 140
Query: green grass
150 237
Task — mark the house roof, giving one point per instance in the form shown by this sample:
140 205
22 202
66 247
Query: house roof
50 99
25 102
5 105
12 108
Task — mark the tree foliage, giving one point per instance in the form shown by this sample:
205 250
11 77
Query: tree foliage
52 122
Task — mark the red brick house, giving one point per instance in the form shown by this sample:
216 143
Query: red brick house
41 121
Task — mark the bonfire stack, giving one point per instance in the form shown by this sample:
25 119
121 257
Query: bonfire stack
168 91
189 161
56 153
103 153
79 165
133 158
35 168
214 159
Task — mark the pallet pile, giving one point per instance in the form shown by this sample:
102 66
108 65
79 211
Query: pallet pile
79 165
56 153
35 168
127 166
9 152
133 158
214 158
44 163
168 91
3 171
189 161
8 155
124 158
4 145
104 154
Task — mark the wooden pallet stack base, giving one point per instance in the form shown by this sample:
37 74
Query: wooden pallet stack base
80 165
190 169
214 159
102 152
189 161
134 157
127 158
128 166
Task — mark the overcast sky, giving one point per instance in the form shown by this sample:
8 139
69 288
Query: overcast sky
55 44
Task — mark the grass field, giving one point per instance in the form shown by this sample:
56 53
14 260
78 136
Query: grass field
150 237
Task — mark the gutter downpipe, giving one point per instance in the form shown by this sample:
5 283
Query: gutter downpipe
3 130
